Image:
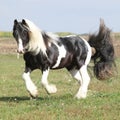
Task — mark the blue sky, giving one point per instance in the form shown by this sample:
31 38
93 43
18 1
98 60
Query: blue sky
76 16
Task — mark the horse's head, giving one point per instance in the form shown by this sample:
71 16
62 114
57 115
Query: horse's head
21 35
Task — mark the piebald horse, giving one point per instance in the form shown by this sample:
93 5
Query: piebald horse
43 50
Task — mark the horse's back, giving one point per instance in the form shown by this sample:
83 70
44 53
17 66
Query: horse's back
76 46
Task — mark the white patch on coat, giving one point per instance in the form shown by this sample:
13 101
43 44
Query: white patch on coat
71 36
62 54
20 46
89 52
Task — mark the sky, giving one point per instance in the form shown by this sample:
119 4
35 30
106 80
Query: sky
75 16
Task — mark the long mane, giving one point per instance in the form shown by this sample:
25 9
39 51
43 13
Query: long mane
39 40
49 38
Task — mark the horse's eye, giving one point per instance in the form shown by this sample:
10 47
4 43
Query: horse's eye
24 33
15 33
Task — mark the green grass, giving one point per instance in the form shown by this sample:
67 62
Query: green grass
65 33
102 103
5 34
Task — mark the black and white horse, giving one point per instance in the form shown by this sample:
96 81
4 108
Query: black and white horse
47 51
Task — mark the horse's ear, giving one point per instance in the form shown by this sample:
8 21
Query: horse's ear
24 22
15 21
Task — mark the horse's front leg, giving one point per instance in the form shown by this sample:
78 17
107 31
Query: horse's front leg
50 88
32 89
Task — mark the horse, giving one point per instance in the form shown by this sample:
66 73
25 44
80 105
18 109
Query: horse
47 51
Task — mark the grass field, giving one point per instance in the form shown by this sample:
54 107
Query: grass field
102 103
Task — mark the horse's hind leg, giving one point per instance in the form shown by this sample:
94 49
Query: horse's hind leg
76 74
82 92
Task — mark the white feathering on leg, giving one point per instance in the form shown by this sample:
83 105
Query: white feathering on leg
30 85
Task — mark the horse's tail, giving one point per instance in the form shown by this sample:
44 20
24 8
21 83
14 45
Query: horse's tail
103 54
